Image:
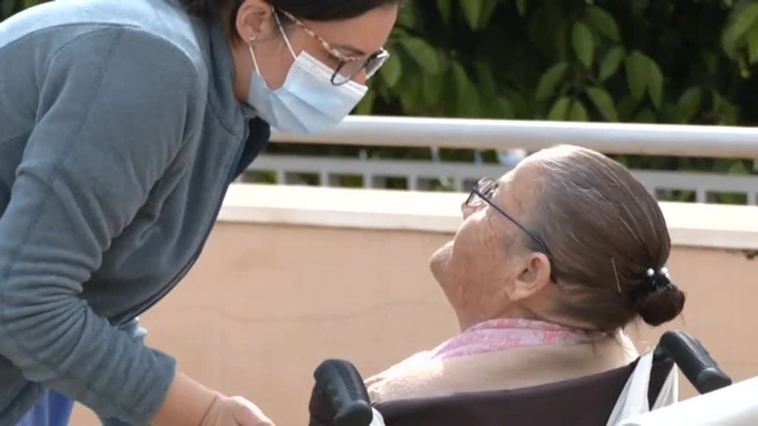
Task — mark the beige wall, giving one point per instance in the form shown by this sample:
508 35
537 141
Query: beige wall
266 303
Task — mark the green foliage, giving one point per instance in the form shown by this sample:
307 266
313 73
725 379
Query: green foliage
668 61
663 61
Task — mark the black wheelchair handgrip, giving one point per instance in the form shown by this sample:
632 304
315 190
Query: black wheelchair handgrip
693 360
343 387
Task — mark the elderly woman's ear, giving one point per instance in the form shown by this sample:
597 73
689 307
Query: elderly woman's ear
533 277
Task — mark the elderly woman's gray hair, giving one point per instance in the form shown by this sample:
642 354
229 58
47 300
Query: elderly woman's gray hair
608 240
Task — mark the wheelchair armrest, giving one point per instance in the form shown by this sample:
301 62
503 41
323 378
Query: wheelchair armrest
342 385
694 361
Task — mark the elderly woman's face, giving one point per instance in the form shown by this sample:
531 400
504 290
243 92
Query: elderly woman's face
483 258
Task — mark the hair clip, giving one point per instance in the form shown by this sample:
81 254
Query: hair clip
616 274
659 279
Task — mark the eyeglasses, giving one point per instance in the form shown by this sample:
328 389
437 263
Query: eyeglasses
349 66
483 192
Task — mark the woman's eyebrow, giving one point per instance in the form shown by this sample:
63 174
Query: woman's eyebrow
350 48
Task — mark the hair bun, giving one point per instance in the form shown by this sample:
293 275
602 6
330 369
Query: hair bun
660 305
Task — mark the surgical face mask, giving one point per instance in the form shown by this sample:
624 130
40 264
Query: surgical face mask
307 102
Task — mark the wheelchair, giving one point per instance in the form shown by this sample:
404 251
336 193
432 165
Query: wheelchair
340 398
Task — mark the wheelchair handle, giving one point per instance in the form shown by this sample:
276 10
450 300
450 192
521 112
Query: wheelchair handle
343 386
694 361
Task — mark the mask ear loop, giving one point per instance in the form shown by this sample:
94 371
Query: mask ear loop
253 39
284 35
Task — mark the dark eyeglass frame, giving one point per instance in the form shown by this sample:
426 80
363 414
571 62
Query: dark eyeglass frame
370 65
484 189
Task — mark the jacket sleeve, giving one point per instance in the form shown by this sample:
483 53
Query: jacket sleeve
115 106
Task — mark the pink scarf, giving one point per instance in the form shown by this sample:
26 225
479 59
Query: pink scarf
501 334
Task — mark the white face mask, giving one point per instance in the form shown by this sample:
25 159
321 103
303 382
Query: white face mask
307 102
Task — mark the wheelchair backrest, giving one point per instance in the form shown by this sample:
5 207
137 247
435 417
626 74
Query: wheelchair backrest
584 401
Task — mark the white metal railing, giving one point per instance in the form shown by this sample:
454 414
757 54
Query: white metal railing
503 135
610 138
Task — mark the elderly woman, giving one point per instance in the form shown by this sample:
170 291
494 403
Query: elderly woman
551 262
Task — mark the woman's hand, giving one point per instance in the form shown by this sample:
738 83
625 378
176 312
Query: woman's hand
234 411
190 403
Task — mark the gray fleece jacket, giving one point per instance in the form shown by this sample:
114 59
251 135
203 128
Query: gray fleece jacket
119 134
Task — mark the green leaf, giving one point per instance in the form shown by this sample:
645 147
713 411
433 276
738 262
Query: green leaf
407 17
577 111
549 80
443 61
603 102
611 62
685 196
505 108
366 106
722 165
522 107
560 108
716 99
637 67
726 111
521 6
485 79
744 19
488 8
460 78
740 22
409 91
639 6
391 70
645 116
655 82
669 113
711 60
584 44
423 53
472 10
467 95
738 168
433 87
603 22
445 7
689 103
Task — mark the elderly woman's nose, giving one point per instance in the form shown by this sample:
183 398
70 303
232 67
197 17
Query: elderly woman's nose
467 209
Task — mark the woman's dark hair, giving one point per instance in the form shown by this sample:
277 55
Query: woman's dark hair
608 239
322 10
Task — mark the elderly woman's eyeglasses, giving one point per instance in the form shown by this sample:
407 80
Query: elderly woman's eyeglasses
483 192
349 66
